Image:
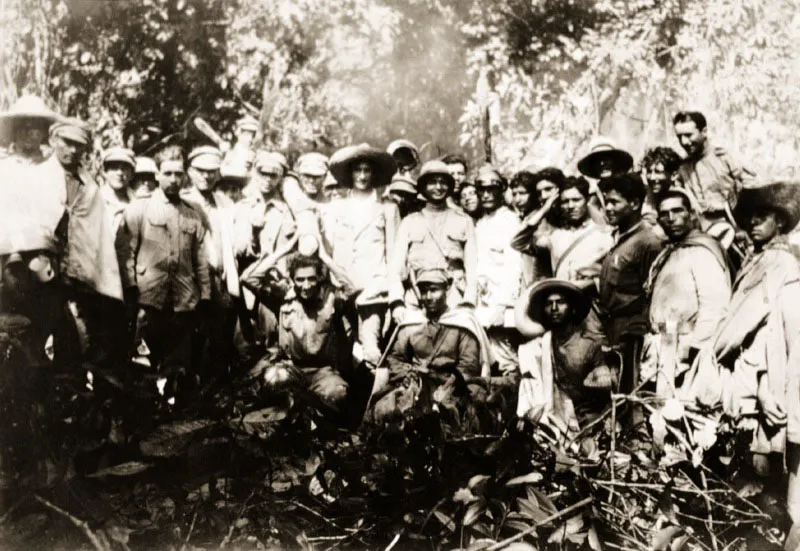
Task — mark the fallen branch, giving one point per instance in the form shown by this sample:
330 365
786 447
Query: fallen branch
82 525
532 529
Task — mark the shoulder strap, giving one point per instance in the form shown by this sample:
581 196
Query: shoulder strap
572 246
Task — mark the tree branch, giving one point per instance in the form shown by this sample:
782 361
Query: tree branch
82 525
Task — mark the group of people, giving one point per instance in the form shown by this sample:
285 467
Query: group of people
437 282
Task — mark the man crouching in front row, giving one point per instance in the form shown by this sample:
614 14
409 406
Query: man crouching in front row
312 332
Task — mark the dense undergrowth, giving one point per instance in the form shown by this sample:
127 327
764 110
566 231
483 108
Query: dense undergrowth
106 462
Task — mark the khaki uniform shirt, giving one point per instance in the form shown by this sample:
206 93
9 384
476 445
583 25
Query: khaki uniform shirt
431 239
416 343
261 226
715 179
168 241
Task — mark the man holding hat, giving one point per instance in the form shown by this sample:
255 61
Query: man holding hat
403 192
499 267
361 229
435 237
568 377
751 363
434 356
32 204
689 286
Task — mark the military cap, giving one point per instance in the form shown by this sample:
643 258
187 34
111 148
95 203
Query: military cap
71 129
491 176
397 145
313 164
205 158
433 276
145 165
402 183
247 123
434 168
270 160
119 155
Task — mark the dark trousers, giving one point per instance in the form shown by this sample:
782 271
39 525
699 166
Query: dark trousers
168 335
631 350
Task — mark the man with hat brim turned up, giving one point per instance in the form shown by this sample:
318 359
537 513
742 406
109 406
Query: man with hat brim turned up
172 275
312 332
403 192
405 155
751 363
32 203
567 383
263 224
689 287
604 160
499 269
623 303
97 260
436 359
360 230
219 320
436 237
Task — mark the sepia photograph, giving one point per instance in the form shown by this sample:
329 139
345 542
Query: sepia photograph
388 275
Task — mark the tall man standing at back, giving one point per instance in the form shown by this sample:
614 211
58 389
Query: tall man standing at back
623 301
713 176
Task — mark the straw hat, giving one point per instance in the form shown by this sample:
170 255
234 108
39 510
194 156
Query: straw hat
782 197
342 161
538 294
600 148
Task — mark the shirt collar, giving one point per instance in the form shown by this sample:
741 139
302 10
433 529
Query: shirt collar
620 237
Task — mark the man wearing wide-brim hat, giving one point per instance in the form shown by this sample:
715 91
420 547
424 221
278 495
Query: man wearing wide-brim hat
566 376
437 237
752 367
32 203
604 159
360 230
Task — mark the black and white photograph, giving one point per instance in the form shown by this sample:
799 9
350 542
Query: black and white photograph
388 275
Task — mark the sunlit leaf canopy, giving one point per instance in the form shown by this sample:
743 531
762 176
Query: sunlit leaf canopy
321 73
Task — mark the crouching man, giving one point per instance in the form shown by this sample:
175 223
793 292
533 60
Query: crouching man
436 358
312 331
566 383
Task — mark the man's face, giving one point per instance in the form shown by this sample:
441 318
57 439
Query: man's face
674 218
405 159
232 189
311 184
556 309
145 182
544 190
433 297
618 209
764 225
490 195
362 176
469 199
573 206
203 179
29 134
458 172
267 179
521 199
657 178
436 189
67 152
117 174
306 283
691 139
171 178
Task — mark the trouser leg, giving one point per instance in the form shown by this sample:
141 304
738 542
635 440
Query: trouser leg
793 490
631 347
370 322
